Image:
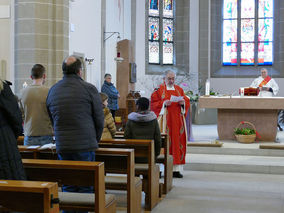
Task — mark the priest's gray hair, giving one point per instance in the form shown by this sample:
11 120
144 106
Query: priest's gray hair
168 72
263 69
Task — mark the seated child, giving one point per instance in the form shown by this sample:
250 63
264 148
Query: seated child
143 124
109 125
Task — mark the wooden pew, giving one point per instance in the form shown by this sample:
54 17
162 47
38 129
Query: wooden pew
149 171
164 158
78 173
20 140
118 161
168 161
121 161
29 196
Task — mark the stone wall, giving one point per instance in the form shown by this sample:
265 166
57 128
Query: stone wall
41 36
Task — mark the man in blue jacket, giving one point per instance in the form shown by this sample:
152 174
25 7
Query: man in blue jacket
75 109
112 94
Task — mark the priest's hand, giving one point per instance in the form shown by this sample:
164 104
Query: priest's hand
168 103
181 102
264 88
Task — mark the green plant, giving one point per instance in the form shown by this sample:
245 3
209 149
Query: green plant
244 131
193 97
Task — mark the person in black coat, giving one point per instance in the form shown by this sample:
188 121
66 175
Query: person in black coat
11 167
76 113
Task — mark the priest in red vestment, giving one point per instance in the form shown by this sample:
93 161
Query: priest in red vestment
171 97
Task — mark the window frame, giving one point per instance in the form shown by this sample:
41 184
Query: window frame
161 41
256 32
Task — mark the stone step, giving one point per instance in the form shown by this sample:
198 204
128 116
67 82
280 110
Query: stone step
236 149
235 163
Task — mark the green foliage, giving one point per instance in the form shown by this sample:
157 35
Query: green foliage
244 131
193 97
213 93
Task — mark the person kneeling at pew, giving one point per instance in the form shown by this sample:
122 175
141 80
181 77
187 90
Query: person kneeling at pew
143 124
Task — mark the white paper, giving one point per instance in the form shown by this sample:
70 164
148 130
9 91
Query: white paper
48 146
33 147
176 98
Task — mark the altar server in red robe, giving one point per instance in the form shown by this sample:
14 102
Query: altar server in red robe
171 97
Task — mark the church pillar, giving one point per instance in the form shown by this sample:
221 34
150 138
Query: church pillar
41 36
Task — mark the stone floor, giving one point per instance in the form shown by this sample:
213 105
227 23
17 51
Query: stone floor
217 192
226 192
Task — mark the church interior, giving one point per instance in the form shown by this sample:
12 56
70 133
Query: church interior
216 48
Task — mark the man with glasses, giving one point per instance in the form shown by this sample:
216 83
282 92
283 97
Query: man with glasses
170 101
267 86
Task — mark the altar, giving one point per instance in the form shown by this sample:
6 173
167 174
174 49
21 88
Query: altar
261 111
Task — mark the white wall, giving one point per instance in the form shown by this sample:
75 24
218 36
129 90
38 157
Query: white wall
85 17
232 85
7 40
140 44
118 19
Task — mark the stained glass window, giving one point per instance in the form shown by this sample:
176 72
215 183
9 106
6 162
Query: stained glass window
230 53
247 30
265 53
161 31
265 9
230 31
265 30
247 54
153 29
154 7
154 52
168 29
247 8
255 44
230 9
168 8
168 51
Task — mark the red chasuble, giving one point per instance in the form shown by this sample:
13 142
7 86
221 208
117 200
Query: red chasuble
265 81
175 120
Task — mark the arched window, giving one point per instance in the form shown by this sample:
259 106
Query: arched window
247 32
161 31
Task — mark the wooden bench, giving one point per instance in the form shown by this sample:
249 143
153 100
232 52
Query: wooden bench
78 173
117 161
168 161
164 158
121 161
149 171
29 196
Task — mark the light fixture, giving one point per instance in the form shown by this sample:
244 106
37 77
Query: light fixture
111 34
118 58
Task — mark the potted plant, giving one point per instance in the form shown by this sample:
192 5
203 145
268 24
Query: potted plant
247 134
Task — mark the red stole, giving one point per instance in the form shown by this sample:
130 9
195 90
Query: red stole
265 81
175 122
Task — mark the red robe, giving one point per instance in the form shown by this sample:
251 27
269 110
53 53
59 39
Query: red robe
175 120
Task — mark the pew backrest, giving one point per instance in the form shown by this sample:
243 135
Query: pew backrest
29 196
78 173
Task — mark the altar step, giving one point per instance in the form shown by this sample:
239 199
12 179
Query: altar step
235 163
237 149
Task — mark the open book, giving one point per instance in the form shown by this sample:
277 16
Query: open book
48 146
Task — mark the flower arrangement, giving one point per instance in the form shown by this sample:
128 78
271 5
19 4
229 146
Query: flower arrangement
244 131
246 135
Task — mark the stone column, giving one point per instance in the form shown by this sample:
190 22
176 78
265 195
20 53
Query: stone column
41 36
